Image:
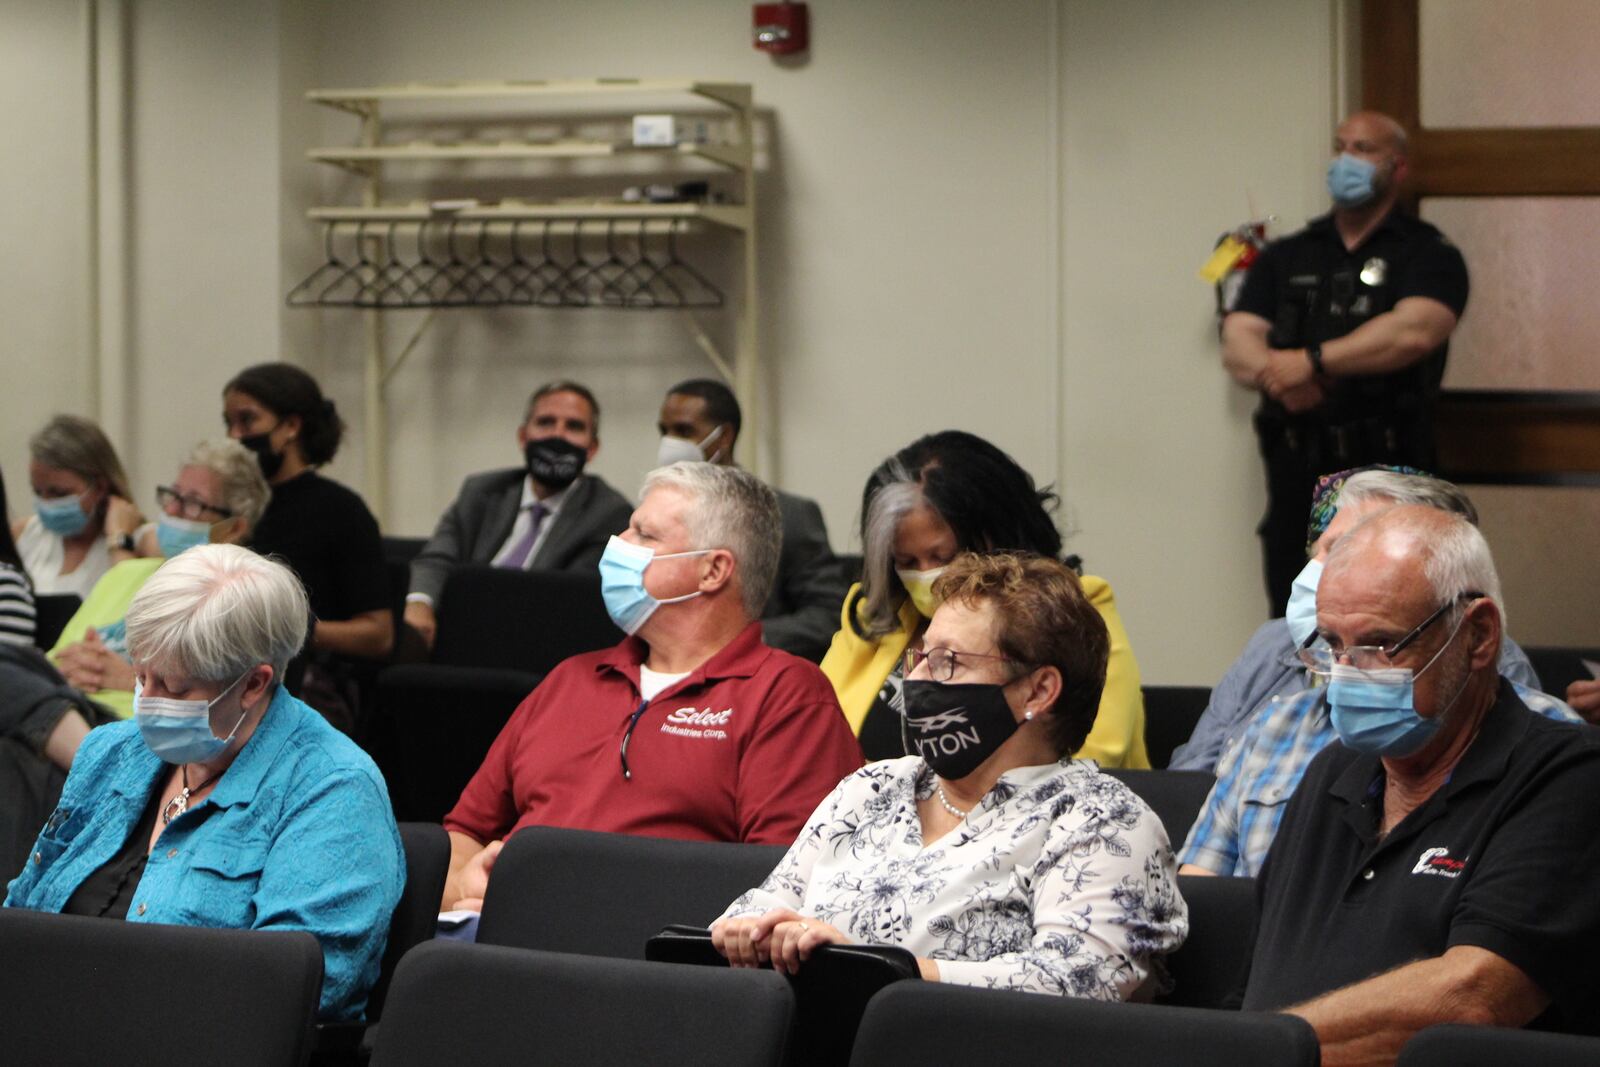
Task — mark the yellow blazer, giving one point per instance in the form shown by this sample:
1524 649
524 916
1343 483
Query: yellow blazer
858 665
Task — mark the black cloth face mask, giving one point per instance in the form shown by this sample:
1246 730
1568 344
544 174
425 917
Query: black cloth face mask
956 727
554 462
261 444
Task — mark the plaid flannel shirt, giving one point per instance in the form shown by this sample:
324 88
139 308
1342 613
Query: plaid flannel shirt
1256 778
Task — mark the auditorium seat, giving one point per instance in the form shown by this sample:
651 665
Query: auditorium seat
1175 796
487 1006
52 612
427 851
1558 668
1209 970
914 1024
499 633
1483 1046
607 894
1170 715
76 990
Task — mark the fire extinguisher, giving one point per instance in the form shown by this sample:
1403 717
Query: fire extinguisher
1231 258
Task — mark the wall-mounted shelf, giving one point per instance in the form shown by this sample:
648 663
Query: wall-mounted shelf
733 157
733 216
542 251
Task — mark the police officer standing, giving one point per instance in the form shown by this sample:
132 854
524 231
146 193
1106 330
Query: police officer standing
1343 328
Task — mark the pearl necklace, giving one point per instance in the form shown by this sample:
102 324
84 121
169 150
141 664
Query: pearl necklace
944 801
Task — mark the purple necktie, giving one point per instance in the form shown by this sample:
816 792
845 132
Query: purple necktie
517 559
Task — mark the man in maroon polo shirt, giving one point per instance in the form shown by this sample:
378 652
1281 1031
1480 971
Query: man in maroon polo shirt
691 727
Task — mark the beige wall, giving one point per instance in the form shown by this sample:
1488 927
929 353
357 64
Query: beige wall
977 215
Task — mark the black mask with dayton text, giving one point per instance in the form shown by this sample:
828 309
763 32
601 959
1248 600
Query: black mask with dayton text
554 462
955 727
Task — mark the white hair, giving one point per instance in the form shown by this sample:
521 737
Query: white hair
215 611
1452 553
733 509
244 491
884 594
1421 489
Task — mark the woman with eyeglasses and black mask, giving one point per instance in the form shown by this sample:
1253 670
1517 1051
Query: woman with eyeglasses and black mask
988 852
943 494
323 530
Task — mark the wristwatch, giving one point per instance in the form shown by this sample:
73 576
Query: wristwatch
1314 354
124 542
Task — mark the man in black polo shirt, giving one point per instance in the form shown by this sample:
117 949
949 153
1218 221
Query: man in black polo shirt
1343 329
1440 863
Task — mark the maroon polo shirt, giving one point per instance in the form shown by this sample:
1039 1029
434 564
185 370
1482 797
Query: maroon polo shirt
743 749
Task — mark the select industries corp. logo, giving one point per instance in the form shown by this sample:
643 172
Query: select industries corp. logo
698 722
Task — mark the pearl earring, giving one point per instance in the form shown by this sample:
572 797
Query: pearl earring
1027 716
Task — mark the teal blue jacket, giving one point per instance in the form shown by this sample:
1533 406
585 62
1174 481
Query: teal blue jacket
297 835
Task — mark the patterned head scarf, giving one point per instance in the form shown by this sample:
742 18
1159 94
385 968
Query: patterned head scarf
1325 498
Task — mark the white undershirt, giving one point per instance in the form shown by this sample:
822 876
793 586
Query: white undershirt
651 683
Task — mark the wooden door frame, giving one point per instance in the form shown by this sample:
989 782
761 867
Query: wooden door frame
1498 437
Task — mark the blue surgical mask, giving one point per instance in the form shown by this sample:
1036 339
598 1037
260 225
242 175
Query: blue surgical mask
175 535
1350 180
1301 614
622 569
179 731
1375 711
919 586
63 516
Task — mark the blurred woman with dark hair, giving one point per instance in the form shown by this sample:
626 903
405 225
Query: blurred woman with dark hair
17 619
320 528
944 494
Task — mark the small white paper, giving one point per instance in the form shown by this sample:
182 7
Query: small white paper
456 917
1593 667
654 131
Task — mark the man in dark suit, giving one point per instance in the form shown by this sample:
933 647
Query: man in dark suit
700 419
545 515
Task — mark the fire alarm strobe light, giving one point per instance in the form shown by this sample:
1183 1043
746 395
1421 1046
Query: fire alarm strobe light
781 29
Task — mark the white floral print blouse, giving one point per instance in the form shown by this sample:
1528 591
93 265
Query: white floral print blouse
1061 880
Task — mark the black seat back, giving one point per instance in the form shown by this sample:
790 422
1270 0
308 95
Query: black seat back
1175 796
1482 1046
607 894
520 620
433 728
52 612
489 1006
416 917
76 990
1170 715
831 990
1209 971
919 1023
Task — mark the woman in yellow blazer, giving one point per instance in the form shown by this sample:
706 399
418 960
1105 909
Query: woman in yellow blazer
941 495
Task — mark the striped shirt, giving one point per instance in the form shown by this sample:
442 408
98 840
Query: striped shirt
17 619
1258 775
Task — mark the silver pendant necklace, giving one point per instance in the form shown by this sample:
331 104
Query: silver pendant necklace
180 803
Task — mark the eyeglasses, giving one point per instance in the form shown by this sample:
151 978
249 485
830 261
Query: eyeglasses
942 662
1319 657
190 507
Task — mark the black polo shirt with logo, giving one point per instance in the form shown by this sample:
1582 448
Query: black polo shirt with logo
1311 288
1505 856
